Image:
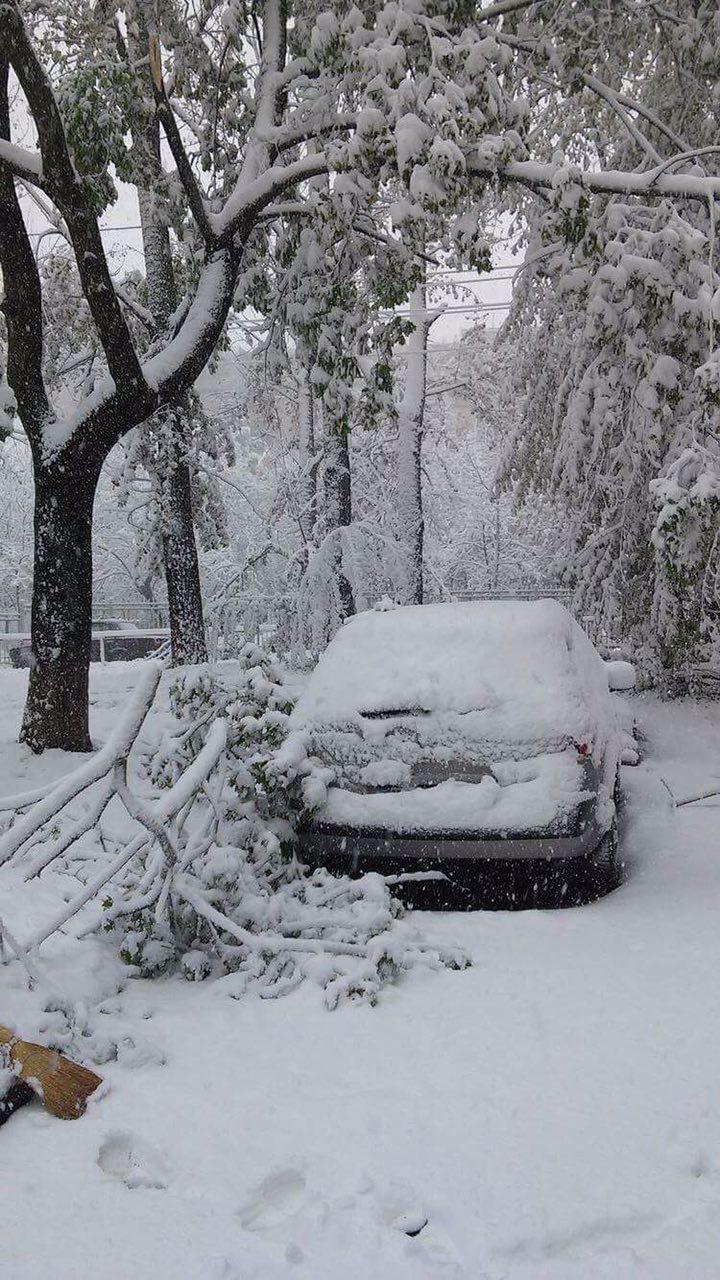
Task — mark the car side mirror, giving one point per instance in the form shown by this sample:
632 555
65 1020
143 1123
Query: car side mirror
620 675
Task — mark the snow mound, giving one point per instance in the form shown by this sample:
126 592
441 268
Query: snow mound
621 675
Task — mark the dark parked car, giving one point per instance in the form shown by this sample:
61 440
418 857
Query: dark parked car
105 646
478 741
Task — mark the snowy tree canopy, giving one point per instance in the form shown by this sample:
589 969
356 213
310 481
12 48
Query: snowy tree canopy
415 123
430 95
617 317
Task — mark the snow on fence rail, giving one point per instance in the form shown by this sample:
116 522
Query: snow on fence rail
518 593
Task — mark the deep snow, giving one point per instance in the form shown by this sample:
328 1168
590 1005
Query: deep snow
552 1111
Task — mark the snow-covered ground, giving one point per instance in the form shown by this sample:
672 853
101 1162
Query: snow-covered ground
552 1110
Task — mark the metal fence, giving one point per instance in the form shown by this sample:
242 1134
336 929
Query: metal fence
106 646
271 619
266 619
145 616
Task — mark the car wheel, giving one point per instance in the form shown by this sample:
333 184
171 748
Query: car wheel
573 882
604 866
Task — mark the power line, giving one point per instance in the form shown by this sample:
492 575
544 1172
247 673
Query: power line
468 271
452 276
455 310
121 226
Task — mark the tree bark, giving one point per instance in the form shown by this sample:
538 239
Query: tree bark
182 573
180 558
308 463
56 711
411 422
338 506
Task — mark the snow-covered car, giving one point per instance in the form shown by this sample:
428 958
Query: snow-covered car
124 642
479 740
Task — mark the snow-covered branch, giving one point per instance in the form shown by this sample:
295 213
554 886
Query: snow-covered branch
116 749
283 137
536 175
250 198
502 7
209 881
62 182
269 86
631 128
619 102
163 106
21 163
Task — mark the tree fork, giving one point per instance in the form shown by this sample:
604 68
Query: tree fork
180 558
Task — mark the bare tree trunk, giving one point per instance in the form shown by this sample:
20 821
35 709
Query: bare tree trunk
338 506
56 710
308 462
66 475
180 558
182 574
411 422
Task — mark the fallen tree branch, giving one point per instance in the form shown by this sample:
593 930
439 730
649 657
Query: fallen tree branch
74 833
702 795
92 888
210 882
153 819
116 749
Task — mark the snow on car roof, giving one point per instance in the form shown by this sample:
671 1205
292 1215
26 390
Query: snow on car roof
524 665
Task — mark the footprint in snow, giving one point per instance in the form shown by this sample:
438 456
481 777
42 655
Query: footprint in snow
278 1197
133 1161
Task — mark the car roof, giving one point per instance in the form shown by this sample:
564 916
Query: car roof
524 665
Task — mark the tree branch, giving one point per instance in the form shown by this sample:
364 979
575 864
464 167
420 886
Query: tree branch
66 189
249 199
283 138
106 415
645 113
21 163
274 51
636 134
165 115
175 368
599 87
535 175
503 7
59 228
22 303
141 313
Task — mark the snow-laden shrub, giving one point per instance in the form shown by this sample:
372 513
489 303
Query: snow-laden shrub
221 890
